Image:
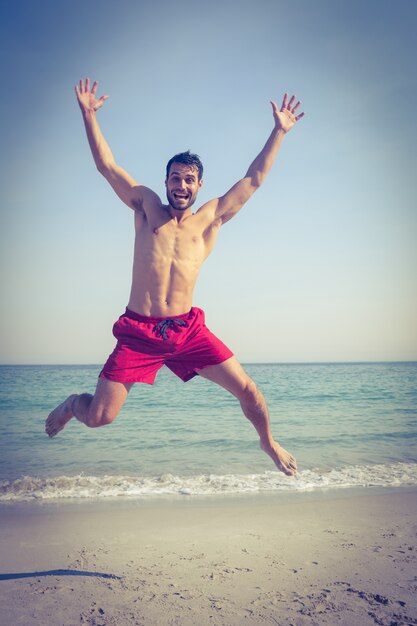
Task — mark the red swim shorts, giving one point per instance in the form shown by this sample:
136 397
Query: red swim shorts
144 344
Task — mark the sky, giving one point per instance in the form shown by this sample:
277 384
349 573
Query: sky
319 266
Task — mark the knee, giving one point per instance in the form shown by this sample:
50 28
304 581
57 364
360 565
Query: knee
100 417
250 393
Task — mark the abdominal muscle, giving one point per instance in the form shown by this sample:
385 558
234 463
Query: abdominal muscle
165 269
159 298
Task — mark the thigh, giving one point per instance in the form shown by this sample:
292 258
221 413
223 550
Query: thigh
229 374
109 397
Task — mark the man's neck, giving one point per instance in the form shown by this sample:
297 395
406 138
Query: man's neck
176 215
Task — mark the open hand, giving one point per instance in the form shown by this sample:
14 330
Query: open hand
285 117
87 98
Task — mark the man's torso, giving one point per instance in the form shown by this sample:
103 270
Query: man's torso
167 258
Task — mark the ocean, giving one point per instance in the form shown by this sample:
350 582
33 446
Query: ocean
349 425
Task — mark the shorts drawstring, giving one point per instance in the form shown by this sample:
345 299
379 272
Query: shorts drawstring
160 329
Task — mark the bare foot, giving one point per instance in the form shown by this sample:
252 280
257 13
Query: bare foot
284 461
59 417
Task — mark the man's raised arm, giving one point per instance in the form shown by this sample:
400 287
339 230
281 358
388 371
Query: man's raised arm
285 118
123 184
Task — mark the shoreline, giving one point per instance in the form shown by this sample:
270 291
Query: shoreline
273 497
108 487
231 561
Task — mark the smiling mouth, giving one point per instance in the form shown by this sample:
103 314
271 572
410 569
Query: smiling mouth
180 196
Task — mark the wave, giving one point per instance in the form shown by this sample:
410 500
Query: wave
98 487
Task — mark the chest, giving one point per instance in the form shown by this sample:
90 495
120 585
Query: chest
169 238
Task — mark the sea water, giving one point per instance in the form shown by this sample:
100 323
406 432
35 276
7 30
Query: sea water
348 425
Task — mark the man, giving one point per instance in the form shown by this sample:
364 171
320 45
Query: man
160 325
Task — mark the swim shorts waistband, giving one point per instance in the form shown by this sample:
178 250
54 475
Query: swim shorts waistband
145 318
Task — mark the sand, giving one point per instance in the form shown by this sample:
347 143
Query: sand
247 561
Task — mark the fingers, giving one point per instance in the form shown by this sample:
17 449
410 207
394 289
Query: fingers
291 102
80 89
85 87
296 106
290 106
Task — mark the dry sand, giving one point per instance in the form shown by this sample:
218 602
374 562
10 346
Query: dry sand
250 561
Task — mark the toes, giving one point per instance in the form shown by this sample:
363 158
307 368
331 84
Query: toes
51 427
51 432
290 468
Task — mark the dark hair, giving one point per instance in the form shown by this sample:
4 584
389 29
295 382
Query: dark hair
186 158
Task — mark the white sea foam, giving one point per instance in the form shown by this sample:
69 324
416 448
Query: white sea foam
99 487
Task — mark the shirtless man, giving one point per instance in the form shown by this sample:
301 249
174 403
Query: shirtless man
160 325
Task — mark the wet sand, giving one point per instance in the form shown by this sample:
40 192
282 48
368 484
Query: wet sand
229 562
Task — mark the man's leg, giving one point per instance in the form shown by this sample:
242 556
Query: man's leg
231 375
93 411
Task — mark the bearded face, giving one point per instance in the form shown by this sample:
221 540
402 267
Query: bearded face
182 186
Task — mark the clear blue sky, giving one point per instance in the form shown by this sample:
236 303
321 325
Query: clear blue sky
320 265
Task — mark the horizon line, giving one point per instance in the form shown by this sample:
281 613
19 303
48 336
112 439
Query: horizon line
353 362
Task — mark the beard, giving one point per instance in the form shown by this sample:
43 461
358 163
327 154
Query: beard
181 205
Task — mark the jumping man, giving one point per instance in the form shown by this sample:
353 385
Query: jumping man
160 326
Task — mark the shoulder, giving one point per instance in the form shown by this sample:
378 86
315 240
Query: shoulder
145 200
207 214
